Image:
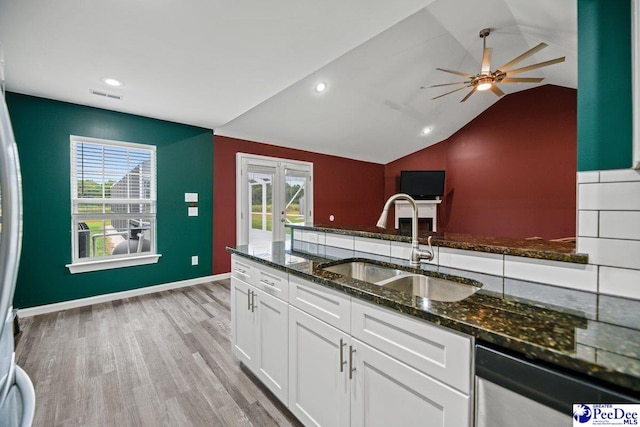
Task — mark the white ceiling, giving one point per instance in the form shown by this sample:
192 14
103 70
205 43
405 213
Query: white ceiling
247 68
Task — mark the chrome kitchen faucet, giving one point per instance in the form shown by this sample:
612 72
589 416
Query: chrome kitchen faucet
416 254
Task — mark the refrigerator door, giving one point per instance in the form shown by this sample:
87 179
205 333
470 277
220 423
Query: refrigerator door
17 395
10 213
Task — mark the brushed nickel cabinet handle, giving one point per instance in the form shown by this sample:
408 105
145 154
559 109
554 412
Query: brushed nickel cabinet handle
267 283
253 301
249 299
342 361
351 368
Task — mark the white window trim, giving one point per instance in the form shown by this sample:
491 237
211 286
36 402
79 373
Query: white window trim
97 264
108 264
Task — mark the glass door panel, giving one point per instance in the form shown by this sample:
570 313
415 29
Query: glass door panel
260 206
297 207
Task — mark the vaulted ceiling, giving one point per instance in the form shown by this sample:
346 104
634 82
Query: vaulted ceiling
248 69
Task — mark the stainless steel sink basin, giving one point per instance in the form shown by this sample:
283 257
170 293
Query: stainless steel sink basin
432 288
365 271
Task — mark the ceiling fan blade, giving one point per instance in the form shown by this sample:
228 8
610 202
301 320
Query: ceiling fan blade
486 60
460 73
495 89
469 94
445 84
525 55
522 80
534 66
440 96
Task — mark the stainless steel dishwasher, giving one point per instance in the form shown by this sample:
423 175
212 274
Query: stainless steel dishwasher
513 391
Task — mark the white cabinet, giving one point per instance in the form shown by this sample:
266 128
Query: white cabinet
271 362
387 392
259 332
431 349
338 361
243 322
318 371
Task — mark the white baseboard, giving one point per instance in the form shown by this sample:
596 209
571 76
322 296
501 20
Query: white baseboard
82 302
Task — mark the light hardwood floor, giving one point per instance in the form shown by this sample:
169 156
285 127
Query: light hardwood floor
159 359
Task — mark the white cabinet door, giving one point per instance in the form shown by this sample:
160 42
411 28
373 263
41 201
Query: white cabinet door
243 322
272 358
318 371
386 392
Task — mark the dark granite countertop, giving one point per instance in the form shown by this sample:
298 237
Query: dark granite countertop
591 334
530 248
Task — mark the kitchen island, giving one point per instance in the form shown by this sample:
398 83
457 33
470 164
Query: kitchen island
592 335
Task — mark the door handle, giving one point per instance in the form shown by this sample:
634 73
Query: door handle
249 299
342 361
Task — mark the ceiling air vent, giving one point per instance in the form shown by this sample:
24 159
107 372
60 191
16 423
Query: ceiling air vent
105 94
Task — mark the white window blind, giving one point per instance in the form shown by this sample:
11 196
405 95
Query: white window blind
113 199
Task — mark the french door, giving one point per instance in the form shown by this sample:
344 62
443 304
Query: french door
270 193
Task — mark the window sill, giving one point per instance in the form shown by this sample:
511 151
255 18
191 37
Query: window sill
107 264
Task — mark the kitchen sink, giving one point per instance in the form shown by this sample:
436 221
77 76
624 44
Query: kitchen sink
365 271
432 288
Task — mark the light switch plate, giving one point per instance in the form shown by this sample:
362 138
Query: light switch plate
194 260
190 197
193 211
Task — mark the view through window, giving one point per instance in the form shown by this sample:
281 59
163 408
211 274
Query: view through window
113 199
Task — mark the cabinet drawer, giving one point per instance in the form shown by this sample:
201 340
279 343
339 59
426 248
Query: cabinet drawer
438 352
326 304
242 269
273 282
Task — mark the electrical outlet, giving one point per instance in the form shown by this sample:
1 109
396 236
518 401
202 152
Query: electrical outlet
194 260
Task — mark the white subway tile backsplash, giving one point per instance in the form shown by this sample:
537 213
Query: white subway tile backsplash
620 282
611 252
481 262
400 250
591 176
565 274
373 246
620 175
588 223
340 241
620 224
297 234
315 237
612 196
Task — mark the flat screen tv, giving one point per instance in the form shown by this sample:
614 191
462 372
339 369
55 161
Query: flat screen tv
422 185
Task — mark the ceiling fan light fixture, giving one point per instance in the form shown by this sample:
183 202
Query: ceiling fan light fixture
484 84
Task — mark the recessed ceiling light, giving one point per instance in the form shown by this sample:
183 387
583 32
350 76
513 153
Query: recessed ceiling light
320 87
425 131
112 82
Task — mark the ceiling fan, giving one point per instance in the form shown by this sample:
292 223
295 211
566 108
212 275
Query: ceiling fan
488 79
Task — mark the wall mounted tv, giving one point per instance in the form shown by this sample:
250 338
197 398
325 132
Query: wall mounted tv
422 185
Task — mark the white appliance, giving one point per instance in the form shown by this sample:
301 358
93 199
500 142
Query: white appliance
17 395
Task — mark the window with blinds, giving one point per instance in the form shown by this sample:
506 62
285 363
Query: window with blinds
113 199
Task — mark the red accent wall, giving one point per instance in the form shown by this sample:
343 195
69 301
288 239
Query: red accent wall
511 172
351 190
